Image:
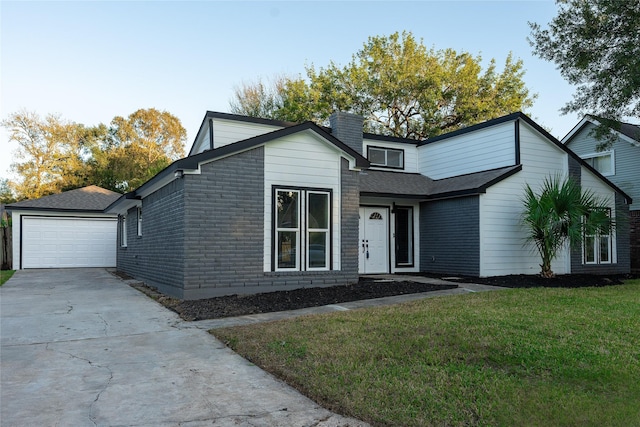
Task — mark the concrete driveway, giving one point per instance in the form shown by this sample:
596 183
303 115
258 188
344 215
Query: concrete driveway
81 348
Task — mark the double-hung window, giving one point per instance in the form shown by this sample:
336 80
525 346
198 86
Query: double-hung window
302 233
597 248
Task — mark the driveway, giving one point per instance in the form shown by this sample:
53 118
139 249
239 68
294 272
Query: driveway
81 348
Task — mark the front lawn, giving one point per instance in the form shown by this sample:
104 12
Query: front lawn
5 275
516 357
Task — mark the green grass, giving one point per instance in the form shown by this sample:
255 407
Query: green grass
5 275
565 357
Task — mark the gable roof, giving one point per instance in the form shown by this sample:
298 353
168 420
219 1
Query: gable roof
193 162
86 199
415 185
627 131
526 119
236 118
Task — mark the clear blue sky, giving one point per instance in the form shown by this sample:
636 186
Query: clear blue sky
91 61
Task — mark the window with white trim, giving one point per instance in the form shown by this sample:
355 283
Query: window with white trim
385 157
139 214
597 248
123 231
302 232
602 162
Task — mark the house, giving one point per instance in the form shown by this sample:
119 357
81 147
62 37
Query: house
620 164
69 229
261 205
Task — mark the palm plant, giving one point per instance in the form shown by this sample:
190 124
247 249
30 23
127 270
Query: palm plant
562 212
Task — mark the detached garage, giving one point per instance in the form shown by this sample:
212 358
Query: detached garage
65 230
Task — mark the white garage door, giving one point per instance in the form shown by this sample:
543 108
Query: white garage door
68 242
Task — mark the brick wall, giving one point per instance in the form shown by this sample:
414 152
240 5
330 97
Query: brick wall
156 256
224 235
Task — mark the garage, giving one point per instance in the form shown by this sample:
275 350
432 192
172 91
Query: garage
65 230
49 242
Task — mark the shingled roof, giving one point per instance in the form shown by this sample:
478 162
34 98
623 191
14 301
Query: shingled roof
414 185
86 199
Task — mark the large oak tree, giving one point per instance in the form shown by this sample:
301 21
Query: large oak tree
399 86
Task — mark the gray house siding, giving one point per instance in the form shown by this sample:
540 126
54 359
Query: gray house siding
213 221
450 236
156 256
623 265
350 189
224 237
627 178
627 162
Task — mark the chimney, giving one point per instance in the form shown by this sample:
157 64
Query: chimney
347 128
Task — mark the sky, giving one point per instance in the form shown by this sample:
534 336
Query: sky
89 61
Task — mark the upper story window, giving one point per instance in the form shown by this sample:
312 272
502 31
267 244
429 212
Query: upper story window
602 162
386 157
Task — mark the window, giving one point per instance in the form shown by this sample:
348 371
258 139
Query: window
602 162
597 248
302 229
139 211
386 157
123 231
404 236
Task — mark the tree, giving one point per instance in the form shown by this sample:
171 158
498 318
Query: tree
561 212
140 146
596 46
399 86
55 155
50 153
6 194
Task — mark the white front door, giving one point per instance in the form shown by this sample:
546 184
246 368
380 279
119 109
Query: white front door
374 240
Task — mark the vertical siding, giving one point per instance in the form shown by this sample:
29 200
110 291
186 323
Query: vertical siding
410 153
485 149
503 248
450 236
157 257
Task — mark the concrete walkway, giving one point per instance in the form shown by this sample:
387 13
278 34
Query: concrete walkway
79 347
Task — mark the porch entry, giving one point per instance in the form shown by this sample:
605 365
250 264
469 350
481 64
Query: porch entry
374 240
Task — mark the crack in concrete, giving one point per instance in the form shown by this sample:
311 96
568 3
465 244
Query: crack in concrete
93 365
106 325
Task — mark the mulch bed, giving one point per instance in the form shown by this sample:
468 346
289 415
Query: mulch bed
536 281
240 305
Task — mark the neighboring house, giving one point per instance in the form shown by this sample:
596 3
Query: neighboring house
620 164
69 229
262 205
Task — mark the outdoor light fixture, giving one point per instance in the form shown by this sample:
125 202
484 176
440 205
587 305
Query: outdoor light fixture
179 173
